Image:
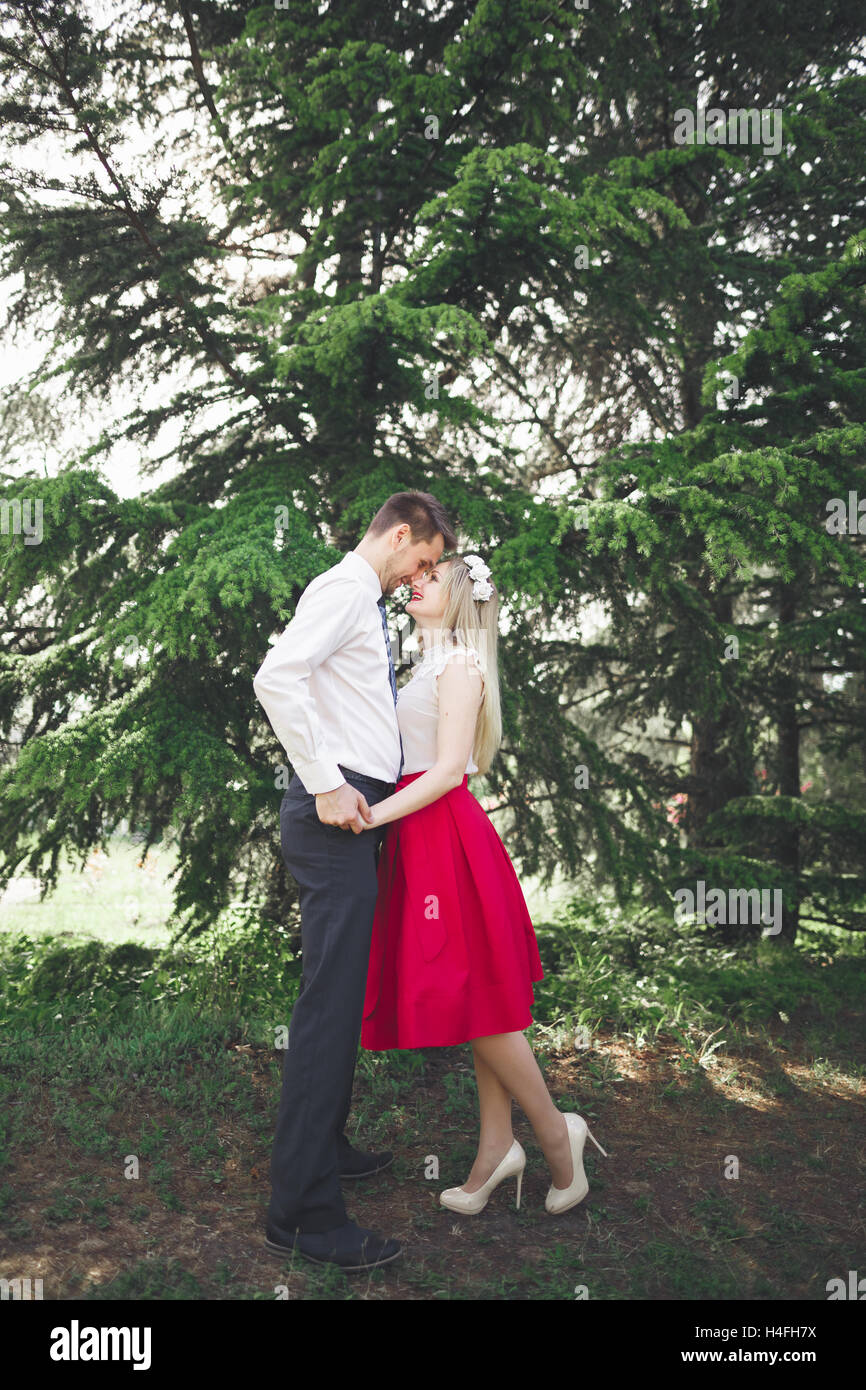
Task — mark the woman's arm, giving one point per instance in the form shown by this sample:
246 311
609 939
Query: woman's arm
460 688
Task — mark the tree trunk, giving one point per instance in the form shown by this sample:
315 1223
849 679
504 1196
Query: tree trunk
788 761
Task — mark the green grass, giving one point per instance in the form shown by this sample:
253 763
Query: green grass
111 1047
120 895
667 980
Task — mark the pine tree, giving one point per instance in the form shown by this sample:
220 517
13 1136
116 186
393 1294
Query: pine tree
362 247
762 481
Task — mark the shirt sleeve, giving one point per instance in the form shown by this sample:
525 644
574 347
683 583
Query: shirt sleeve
467 655
323 621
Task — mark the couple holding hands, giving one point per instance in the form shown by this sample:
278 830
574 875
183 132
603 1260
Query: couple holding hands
414 928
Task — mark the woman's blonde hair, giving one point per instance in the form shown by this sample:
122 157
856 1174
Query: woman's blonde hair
474 623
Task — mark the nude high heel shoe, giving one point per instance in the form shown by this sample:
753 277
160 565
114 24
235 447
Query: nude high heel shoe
512 1165
562 1198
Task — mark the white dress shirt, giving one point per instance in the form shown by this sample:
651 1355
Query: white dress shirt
325 685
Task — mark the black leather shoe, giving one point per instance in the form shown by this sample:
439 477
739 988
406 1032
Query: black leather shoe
357 1164
350 1247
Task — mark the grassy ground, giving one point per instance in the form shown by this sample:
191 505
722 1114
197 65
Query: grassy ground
126 895
138 1091
122 895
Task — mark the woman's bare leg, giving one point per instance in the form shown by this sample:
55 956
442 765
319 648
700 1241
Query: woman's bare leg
497 1136
505 1066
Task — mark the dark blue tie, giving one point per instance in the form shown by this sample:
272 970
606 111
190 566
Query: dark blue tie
391 675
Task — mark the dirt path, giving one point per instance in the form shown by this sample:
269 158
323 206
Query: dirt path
661 1221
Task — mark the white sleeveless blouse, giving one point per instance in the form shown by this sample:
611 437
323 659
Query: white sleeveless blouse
418 707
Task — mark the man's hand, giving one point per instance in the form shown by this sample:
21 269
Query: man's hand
344 807
374 817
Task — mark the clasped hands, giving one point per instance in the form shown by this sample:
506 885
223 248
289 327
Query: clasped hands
346 808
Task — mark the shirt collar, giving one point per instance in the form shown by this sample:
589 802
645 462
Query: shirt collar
356 564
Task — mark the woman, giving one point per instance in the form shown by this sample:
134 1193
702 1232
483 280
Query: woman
453 953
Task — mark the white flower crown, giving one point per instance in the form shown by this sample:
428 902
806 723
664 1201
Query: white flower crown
481 590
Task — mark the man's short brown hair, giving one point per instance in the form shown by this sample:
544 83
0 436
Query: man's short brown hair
424 513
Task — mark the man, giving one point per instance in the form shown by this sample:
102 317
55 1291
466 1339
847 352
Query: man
328 689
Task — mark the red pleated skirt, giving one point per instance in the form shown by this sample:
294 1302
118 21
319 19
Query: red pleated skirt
453 952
